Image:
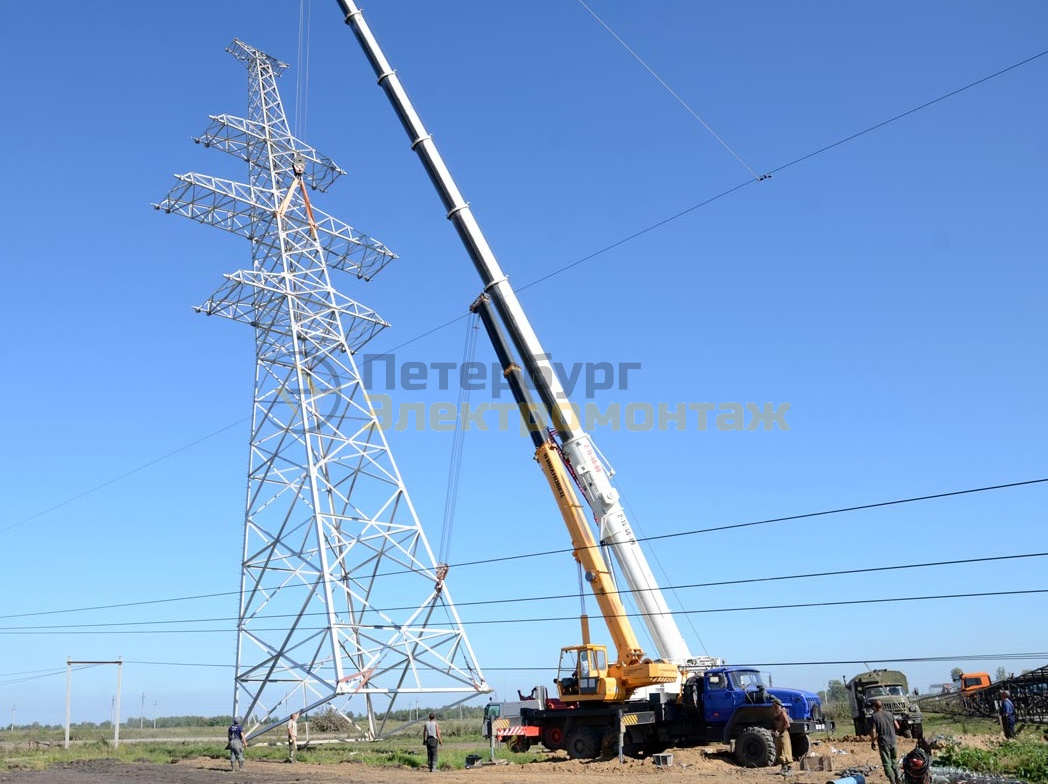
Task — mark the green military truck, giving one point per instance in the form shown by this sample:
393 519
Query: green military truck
892 689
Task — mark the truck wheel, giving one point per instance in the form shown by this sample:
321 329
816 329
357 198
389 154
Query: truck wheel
860 726
553 738
583 743
801 745
519 744
755 748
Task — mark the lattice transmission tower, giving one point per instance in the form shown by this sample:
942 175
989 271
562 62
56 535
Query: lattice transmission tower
342 600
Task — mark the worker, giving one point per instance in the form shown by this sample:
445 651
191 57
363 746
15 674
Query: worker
292 736
236 744
780 725
1007 713
884 739
431 738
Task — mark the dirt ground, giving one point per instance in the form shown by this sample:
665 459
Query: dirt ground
710 765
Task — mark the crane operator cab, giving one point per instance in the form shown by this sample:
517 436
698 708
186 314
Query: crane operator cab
582 673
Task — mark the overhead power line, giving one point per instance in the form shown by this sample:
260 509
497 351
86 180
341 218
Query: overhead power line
120 605
769 521
617 243
799 159
552 597
671 91
124 475
961 657
555 597
99 628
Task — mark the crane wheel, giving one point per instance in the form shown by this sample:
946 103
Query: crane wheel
583 743
520 744
553 738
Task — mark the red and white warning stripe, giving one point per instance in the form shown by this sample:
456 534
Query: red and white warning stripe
529 732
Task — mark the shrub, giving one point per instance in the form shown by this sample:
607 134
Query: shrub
329 721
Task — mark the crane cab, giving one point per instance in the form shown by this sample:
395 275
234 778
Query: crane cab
582 675
585 675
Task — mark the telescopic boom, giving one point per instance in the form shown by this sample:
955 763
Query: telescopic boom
577 445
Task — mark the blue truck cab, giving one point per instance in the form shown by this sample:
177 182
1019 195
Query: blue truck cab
735 703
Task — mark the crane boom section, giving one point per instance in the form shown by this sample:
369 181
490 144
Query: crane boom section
587 553
578 447
632 670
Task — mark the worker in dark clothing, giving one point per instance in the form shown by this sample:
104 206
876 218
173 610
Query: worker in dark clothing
431 738
236 744
1007 713
883 738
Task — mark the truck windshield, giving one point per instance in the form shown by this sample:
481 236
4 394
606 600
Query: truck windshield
885 691
744 678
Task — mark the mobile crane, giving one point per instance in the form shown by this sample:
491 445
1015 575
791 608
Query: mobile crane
644 705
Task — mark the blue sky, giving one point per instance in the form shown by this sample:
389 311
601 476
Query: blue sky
891 289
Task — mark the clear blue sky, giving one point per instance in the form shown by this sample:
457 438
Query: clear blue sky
890 289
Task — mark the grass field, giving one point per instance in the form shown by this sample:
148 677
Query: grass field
1025 758
40 748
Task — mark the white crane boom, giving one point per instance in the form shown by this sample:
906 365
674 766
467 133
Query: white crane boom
578 447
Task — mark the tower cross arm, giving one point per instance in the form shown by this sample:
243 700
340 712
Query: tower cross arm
248 140
248 296
250 56
236 207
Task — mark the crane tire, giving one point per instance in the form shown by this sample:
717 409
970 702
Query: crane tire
553 738
583 743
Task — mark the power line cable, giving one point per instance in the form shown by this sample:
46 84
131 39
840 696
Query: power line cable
672 92
753 523
908 112
101 628
807 156
555 597
123 604
124 475
577 262
458 443
1027 656
34 675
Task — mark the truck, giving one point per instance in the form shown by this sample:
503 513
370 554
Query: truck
722 704
635 702
892 689
971 682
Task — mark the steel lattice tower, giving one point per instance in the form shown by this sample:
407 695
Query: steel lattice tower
342 600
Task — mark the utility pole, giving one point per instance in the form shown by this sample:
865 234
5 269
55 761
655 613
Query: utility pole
142 712
12 718
155 703
116 702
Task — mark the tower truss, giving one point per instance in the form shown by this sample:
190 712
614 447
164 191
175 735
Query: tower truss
342 601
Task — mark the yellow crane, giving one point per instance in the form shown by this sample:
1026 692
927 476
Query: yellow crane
591 676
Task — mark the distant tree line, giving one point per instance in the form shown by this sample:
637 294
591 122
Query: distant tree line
325 720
